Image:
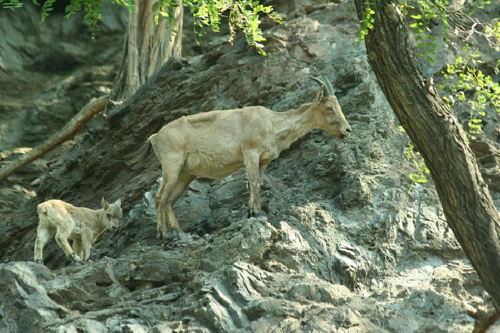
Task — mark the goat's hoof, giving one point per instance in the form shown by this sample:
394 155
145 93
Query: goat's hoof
76 258
176 231
78 262
163 235
39 262
174 234
262 216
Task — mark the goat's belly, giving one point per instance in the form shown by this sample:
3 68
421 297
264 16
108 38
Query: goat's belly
212 167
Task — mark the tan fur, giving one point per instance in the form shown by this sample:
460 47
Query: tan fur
217 143
82 225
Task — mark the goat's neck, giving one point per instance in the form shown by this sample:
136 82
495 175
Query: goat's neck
294 124
97 224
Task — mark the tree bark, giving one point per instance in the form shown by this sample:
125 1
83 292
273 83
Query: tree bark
91 109
440 139
147 47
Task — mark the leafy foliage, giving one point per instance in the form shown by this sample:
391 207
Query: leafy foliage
421 172
474 88
367 21
470 85
421 14
465 82
456 26
13 4
243 15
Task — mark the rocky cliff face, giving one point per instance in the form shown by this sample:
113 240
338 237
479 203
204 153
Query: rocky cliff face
349 245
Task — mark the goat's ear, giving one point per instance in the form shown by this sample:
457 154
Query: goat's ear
104 203
320 95
118 202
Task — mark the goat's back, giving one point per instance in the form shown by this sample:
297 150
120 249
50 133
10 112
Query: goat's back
53 208
56 213
215 130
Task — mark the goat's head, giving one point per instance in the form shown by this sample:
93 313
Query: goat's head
329 116
112 213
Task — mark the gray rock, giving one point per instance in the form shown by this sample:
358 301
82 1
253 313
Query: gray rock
349 245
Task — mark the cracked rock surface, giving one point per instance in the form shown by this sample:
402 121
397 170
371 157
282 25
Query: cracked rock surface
350 245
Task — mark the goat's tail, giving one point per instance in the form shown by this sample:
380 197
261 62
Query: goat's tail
42 209
45 209
143 152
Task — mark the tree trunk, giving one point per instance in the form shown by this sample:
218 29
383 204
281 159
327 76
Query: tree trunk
147 47
440 139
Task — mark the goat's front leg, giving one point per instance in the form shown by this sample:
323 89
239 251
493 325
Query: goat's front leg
252 165
62 241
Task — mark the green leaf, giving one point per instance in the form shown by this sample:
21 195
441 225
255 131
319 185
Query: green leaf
156 6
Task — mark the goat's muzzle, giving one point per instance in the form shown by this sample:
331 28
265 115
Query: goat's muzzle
345 133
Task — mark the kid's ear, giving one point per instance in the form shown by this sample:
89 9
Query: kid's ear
118 202
104 203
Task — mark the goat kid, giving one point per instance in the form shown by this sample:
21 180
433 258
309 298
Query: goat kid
217 143
82 225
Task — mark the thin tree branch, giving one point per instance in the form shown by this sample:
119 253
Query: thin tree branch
91 109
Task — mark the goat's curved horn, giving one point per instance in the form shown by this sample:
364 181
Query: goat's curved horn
321 84
331 91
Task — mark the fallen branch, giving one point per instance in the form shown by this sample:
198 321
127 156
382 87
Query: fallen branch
484 319
91 109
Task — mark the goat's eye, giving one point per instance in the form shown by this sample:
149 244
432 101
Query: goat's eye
108 215
329 108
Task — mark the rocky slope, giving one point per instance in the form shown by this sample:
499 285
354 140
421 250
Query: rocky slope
350 244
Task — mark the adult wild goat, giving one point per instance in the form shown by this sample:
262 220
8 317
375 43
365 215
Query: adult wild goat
217 143
82 225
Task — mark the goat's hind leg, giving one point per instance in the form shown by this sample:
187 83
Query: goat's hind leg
180 187
77 248
171 169
43 235
160 212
